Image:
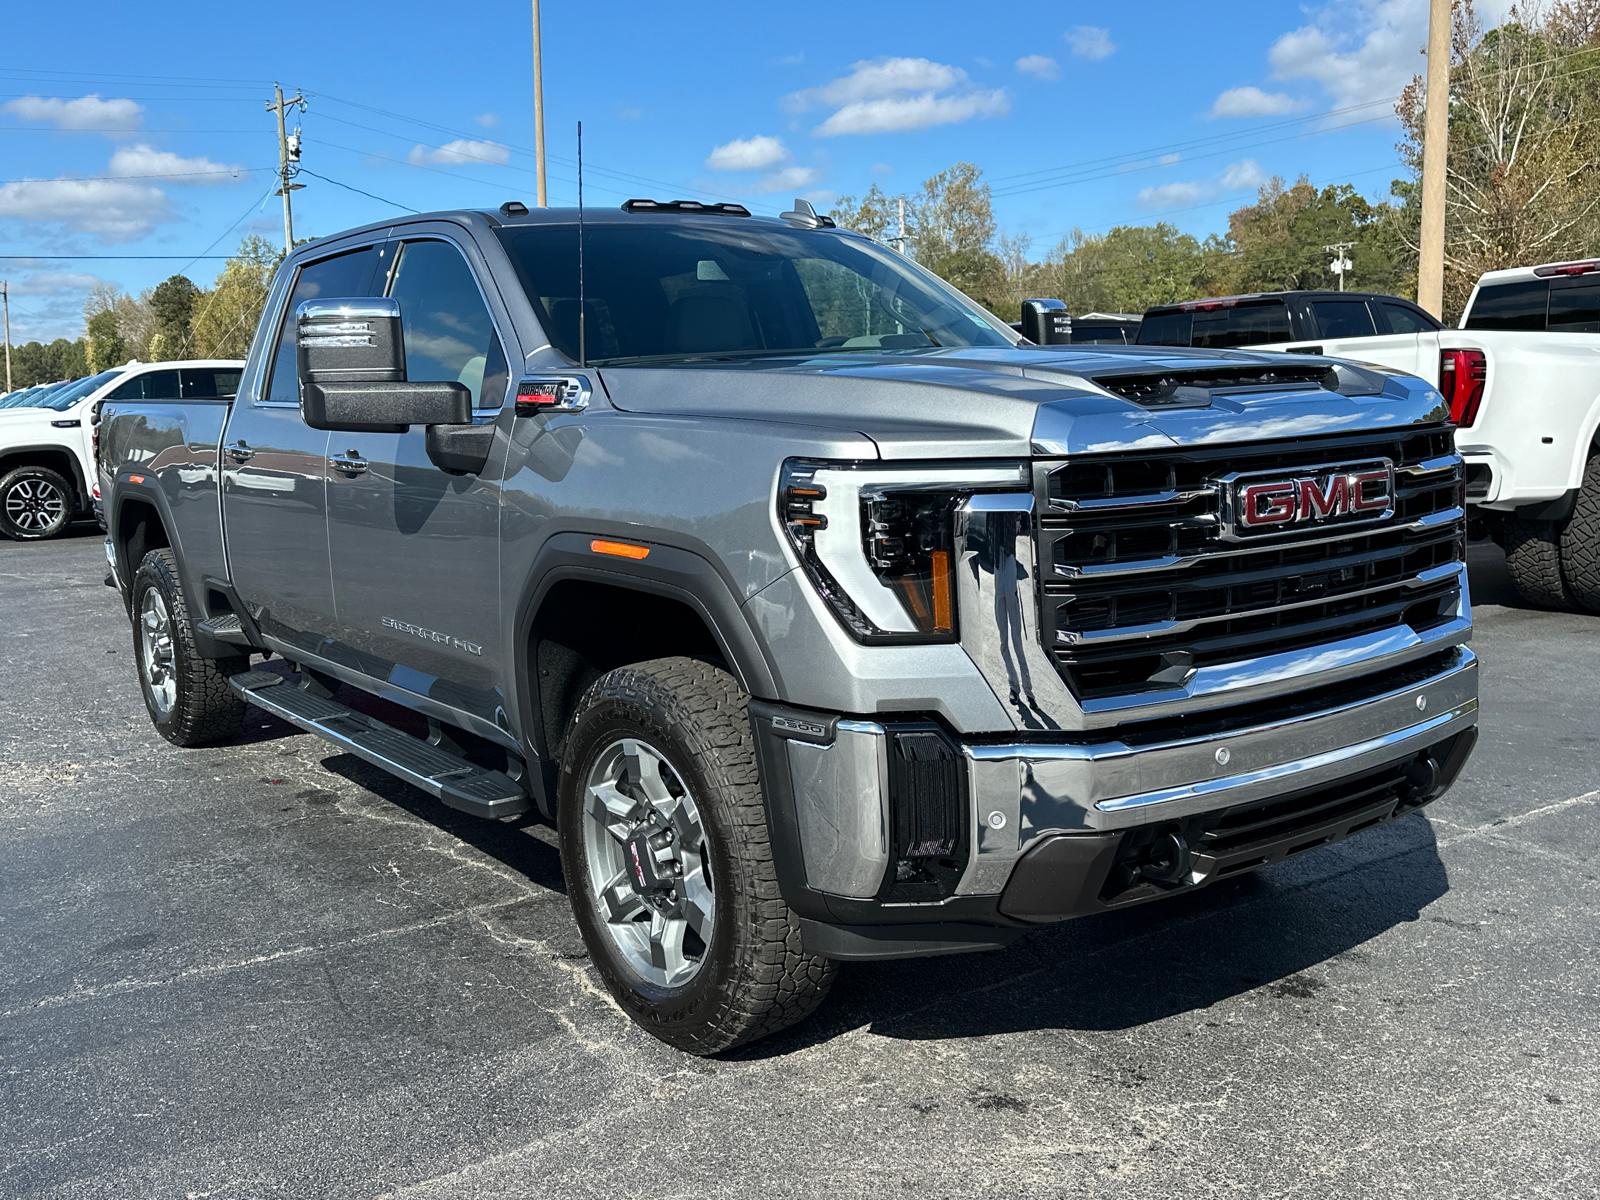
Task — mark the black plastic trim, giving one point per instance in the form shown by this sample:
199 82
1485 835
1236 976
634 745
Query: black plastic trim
867 942
1559 509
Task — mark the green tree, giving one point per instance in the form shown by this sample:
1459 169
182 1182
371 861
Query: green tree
875 214
1278 243
172 303
106 347
225 319
1128 269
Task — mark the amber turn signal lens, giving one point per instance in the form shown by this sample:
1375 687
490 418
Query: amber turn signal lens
620 549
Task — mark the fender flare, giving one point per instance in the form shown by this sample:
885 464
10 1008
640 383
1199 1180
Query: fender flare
669 571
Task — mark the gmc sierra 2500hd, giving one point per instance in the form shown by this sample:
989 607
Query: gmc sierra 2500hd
824 618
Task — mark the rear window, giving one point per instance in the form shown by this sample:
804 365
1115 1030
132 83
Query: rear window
1165 329
209 383
152 385
1343 318
1575 306
1097 335
1242 325
1510 306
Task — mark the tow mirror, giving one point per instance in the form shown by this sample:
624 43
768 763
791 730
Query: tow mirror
351 362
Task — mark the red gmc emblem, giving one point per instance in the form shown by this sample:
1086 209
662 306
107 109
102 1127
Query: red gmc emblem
1344 493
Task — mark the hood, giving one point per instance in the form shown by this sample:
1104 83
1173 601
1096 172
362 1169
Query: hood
1023 401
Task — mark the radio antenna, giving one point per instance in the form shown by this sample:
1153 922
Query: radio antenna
583 347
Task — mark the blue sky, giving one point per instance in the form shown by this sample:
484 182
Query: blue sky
142 131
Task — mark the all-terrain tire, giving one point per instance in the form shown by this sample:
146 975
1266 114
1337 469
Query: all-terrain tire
1533 555
188 696
35 503
1580 541
754 977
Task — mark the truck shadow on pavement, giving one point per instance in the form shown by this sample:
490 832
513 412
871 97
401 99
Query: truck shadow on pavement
1287 933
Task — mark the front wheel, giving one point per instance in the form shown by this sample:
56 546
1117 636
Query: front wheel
35 503
188 696
668 861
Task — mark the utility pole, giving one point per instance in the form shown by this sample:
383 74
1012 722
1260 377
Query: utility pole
1341 263
1435 144
538 110
900 242
288 160
5 298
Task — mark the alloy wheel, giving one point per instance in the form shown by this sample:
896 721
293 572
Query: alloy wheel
155 650
649 862
35 505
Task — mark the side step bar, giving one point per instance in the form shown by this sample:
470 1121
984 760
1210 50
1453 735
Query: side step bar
459 783
225 628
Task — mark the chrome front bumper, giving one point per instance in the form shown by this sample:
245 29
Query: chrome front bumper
1021 792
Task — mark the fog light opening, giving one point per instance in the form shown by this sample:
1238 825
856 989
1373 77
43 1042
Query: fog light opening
1166 860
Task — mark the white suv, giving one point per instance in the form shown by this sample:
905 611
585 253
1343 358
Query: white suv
47 467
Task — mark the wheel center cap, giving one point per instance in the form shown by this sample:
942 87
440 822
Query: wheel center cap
648 876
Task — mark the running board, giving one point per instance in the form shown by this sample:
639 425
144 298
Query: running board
460 784
225 628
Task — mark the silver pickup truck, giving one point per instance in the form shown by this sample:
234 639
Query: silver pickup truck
824 617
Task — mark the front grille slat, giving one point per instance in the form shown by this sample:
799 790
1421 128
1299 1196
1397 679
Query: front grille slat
1141 583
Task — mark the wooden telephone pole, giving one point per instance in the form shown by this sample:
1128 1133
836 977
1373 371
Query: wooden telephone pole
1435 147
288 156
538 110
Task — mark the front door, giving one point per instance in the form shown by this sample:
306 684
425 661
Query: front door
415 551
274 479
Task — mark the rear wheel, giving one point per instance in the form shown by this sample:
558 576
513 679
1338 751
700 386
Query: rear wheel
1533 555
188 696
669 867
35 503
1580 541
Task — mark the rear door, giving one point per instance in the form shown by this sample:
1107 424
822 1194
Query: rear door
414 550
274 477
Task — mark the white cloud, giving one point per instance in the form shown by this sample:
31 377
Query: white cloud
86 112
883 77
457 152
1090 41
915 112
790 179
487 120
1166 160
114 209
1041 66
141 161
882 168
749 154
629 113
1253 102
1246 174
891 95
54 283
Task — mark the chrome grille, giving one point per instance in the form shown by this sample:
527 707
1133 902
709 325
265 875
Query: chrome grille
1139 588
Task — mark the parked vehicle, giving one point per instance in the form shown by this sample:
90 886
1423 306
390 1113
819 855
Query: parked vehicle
1527 401
47 463
1105 329
823 619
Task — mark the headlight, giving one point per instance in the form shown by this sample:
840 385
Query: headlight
878 541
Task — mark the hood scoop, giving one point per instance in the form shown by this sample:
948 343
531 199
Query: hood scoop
1196 388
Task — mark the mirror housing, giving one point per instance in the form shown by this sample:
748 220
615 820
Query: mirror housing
384 407
350 341
1046 322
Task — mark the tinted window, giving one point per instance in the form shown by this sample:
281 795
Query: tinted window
1097 335
1575 308
1403 318
1343 318
209 383
449 335
332 278
1165 329
675 288
1510 306
1242 325
152 385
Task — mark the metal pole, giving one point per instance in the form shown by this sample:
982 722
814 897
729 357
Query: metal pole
1435 146
902 238
283 173
538 110
5 298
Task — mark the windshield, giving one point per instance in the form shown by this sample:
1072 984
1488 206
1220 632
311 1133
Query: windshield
73 392
684 290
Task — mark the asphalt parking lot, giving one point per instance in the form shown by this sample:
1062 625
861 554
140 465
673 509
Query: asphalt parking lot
270 970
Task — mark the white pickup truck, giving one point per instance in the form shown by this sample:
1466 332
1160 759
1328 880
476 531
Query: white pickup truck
47 464
1522 375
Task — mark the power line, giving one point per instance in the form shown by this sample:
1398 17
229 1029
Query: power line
358 191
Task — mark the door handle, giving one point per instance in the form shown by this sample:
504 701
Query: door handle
241 453
350 464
